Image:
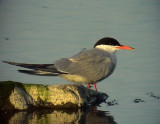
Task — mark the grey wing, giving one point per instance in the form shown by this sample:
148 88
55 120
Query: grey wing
93 64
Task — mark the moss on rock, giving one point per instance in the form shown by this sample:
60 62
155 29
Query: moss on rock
20 96
40 93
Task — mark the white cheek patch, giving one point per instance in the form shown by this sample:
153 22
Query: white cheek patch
107 48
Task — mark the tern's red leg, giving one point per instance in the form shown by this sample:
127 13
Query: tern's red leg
95 109
89 86
95 86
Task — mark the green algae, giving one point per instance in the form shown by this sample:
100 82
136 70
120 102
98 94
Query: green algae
41 91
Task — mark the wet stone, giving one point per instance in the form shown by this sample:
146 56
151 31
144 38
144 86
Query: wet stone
151 94
138 100
112 103
20 96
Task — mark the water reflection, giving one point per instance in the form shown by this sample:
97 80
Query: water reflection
57 117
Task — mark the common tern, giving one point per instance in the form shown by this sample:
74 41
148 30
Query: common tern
88 66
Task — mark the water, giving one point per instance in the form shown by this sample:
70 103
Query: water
44 31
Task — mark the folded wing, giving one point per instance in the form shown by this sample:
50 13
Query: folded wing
37 69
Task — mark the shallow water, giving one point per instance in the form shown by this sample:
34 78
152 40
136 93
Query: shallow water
44 31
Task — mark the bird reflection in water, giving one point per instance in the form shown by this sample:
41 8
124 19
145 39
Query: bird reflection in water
48 116
98 117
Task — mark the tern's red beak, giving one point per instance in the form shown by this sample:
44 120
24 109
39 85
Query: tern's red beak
125 47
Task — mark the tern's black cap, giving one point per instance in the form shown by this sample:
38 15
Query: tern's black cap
107 41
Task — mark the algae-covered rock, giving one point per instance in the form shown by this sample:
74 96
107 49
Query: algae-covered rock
20 96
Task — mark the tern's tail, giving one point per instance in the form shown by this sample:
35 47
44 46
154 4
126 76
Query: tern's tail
38 69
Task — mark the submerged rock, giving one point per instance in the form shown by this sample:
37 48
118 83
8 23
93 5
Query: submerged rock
19 96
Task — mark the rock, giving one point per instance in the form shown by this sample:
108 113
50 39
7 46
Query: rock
151 94
20 96
138 100
112 103
20 99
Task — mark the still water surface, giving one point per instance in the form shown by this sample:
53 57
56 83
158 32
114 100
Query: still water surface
44 31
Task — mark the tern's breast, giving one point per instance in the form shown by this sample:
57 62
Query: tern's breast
113 63
74 78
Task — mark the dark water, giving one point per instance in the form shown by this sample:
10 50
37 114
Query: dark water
44 31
